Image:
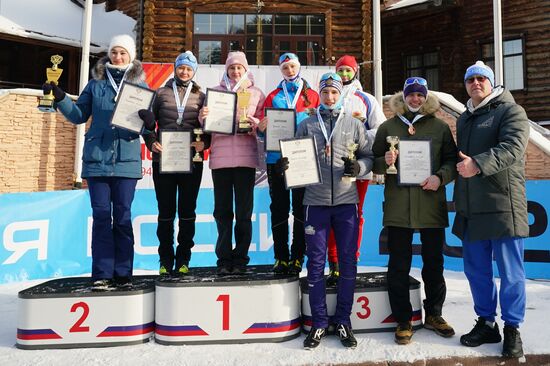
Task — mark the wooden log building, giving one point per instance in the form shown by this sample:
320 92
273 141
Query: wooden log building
436 39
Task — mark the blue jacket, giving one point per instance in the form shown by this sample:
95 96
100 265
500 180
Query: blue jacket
108 151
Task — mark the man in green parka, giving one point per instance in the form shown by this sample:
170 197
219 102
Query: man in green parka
420 207
491 206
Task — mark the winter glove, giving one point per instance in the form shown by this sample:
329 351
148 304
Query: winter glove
148 119
281 165
58 94
351 167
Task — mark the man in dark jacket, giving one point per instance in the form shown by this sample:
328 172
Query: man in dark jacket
491 207
421 207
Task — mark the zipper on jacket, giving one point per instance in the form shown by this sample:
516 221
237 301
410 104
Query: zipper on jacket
331 166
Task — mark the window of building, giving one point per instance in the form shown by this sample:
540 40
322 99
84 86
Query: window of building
263 37
514 61
425 65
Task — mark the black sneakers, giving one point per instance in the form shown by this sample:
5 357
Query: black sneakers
512 346
314 337
102 285
346 336
481 334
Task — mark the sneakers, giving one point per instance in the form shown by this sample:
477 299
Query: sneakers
239 270
346 336
480 334
439 325
223 271
183 270
295 267
512 346
123 282
333 274
163 271
280 267
102 285
403 333
314 337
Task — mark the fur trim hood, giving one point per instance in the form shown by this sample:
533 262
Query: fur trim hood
397 104
135 75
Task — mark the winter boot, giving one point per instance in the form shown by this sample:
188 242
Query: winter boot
314 337
403 333
346 336
439 325
512 346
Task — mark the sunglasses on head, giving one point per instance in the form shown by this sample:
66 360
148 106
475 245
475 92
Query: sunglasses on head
479 79
416 80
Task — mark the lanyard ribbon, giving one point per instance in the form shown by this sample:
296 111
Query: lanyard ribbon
407 122
113 83
324 129
292 105
180 105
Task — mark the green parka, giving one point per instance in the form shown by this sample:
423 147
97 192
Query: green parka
493 204
411 206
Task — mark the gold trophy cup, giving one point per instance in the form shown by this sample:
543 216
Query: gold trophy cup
198 132
392 140
351 147
243 99
45 103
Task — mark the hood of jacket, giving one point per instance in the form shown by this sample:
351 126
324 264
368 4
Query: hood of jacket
397 104
135 75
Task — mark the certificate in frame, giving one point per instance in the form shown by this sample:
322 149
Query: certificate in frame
303 165
176 156
130 100
222 109
281 126
415 161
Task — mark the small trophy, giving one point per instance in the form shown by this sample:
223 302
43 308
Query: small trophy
243 99
351 147
45 103
392 140
198 132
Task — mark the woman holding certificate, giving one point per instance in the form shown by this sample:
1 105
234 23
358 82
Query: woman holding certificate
293 92
333 205
176 108
233 161
421 206
111 161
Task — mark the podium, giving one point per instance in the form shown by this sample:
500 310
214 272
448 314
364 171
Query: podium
371 310
66 313
203 307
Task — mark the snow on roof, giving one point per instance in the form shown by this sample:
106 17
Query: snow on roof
60 21
404 3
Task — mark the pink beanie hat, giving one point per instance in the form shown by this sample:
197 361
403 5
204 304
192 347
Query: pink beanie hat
236 57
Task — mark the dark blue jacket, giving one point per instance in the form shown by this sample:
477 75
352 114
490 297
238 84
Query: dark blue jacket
108 151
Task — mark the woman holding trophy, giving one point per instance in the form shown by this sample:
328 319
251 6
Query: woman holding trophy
233 161
176 108
111 161
415 199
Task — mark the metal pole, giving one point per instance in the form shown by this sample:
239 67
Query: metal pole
377 51
84 72
497 24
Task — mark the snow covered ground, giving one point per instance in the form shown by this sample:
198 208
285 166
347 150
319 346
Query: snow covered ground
458 311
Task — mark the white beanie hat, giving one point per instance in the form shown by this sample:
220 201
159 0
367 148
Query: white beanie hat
126 42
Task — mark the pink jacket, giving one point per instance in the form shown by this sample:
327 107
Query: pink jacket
239 150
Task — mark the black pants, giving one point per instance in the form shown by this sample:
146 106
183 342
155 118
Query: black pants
399 265
239 181
280 207
182 189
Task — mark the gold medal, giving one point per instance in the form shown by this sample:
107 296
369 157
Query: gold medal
411 130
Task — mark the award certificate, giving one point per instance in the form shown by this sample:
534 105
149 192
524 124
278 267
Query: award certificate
281 125
303 166
222 109
176 152
131 99
415 161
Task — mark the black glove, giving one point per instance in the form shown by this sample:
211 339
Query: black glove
58 94
148 118
281 165
351 167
